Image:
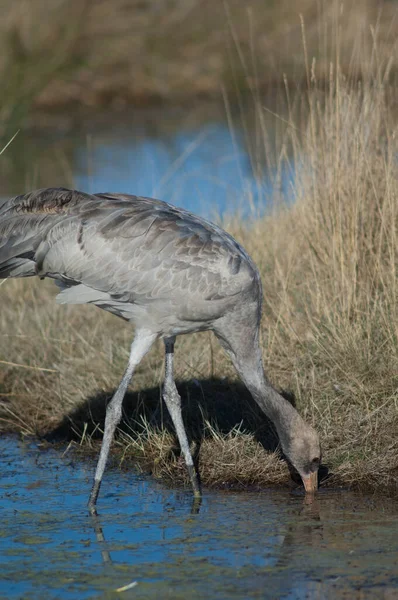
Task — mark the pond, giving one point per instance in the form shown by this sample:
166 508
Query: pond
239 545
196 159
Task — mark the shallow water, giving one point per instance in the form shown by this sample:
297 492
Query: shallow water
240 545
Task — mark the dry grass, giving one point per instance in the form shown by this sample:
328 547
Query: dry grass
328 263
329 270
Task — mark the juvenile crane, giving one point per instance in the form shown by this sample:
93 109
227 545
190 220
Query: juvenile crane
166 271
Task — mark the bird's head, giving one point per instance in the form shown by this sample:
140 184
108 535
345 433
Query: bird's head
302 448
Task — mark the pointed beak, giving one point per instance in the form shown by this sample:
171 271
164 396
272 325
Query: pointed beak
310 482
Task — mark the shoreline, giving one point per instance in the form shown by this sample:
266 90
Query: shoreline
173 475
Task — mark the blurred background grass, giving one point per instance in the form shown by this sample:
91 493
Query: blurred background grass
87 54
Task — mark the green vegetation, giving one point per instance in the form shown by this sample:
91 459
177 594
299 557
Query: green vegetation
329 330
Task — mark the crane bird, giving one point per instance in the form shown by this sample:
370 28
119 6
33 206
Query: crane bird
167 271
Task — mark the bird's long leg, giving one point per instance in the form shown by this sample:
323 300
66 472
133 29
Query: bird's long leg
173 403
141 344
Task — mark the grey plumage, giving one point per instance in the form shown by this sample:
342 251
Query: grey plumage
167 271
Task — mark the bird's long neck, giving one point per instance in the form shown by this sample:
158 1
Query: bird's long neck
241 341
270 401
277 409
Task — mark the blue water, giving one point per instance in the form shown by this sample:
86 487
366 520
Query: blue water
205 170
248 545
205 165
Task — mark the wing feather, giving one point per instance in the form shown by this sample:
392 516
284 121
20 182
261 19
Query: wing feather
138 249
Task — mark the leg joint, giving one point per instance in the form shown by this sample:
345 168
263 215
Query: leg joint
170 393
114 412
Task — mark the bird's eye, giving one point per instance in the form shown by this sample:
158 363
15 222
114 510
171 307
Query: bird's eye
315 462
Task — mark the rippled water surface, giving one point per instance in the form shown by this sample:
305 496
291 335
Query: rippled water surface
239 545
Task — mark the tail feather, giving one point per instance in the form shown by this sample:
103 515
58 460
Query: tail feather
79 294
17 267
17 257
24 221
